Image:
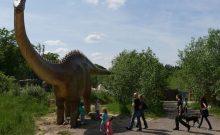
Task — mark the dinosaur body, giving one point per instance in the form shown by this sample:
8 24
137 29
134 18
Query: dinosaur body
70 76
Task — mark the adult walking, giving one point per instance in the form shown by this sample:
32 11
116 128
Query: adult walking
143 107
204 112
136 113
179 116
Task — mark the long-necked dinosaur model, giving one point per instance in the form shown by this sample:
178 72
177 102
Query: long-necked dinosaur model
70 77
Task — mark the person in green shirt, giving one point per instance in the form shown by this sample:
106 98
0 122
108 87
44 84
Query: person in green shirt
82 113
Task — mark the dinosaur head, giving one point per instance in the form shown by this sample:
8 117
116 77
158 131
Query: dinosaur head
19 5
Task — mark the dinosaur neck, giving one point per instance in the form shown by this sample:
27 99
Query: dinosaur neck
42 68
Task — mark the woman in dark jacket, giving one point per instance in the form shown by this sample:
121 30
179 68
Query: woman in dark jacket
142 108
204 112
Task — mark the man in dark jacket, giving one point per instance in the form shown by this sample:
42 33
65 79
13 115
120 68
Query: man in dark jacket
180 113
136 113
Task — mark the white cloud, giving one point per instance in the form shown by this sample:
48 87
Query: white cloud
102 59
93 38
93 2
115 4
61 51
54 42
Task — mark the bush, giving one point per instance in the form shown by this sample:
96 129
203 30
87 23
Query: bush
103 96
7 83
136 72
34 92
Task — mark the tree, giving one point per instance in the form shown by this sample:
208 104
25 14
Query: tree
136 72
11 61
200 65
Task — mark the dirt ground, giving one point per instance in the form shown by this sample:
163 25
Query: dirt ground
162 126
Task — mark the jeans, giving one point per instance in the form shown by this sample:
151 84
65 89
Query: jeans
82 119
207 120
134 115
143 118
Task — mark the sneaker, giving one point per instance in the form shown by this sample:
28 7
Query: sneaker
176 129
128 128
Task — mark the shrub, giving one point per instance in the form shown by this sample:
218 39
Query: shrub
6 83
103 96
34 92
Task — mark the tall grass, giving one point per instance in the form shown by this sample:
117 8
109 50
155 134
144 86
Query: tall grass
17 114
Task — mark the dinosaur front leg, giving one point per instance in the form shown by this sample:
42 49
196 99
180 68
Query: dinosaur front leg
86 99
60 111
67 109
74 112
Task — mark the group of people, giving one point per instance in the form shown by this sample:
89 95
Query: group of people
106 121
204 113
139 108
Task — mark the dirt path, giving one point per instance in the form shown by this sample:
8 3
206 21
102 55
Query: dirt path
163 126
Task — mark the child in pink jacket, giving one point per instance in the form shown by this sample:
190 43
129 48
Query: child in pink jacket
109 127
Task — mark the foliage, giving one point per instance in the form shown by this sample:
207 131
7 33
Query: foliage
113 107
200 66
102 95
51 56
11 61
136 72
34 92
17 115
6 83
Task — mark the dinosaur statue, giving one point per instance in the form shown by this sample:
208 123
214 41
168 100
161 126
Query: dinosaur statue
70 76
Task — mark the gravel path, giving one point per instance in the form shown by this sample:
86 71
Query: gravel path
162 126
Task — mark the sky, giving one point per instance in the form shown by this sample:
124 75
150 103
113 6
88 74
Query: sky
101 29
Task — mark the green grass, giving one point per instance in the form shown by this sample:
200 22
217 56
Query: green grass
113 108
215 110
17 115
64 133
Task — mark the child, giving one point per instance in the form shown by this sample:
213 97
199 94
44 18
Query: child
104 121
97 109
82 113
109 127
